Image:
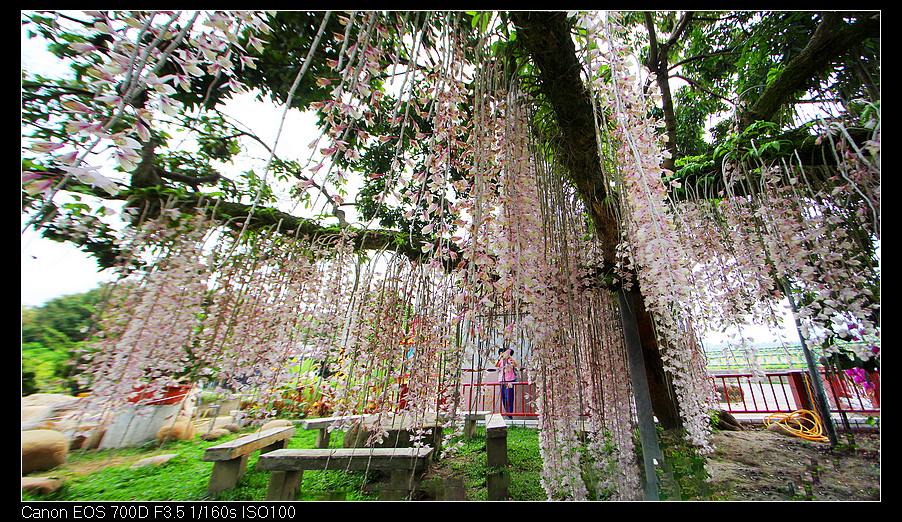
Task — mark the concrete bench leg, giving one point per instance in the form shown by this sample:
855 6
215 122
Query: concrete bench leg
226 473
284 485
497 485
279 444
322 438
469 427
498 478
400 485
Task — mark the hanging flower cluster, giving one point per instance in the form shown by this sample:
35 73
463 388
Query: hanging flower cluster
808 238
354 103
398 352
731 259
264 304
788 233
125 56
424 342
525 280
237 312
655 248
152 321
524 255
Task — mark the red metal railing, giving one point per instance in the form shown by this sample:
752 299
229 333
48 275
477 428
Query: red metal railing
487 397
779 392
785 392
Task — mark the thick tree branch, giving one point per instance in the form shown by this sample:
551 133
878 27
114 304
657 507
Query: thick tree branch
233 215
363 239
831 40
149 174
658 63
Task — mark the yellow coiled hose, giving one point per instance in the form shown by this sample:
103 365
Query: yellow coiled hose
801 423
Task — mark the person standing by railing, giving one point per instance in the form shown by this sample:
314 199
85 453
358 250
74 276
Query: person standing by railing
507 365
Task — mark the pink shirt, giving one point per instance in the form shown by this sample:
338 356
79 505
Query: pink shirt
507 369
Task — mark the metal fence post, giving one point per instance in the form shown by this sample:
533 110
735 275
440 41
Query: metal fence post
651 451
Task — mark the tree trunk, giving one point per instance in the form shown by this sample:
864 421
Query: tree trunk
660 387
546 36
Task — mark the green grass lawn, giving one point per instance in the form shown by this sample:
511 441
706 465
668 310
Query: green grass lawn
525 464
185 477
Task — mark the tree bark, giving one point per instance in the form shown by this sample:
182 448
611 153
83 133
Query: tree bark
546 36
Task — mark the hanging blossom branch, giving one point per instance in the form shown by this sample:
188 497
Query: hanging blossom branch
655 246
246 331
814 251
265 302
229 314
793 231
730 273
145 333
126 69
745 250
356 104
527 257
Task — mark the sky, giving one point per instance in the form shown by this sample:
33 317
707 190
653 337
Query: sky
50 269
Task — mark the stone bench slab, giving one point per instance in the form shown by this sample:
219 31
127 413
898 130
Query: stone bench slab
230 458
248 444
325 422
288 466
345 459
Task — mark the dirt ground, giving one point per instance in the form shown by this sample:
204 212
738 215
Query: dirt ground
757 464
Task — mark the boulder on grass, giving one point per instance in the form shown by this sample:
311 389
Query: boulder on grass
46 410
215 433
43 450
181 429
85 438
94 438
37 417
157 460
726 421
224 421
43 485
278 423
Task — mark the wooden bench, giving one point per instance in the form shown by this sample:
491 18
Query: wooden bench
323 424
230 458
288 466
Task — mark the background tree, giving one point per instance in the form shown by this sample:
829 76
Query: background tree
51 337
